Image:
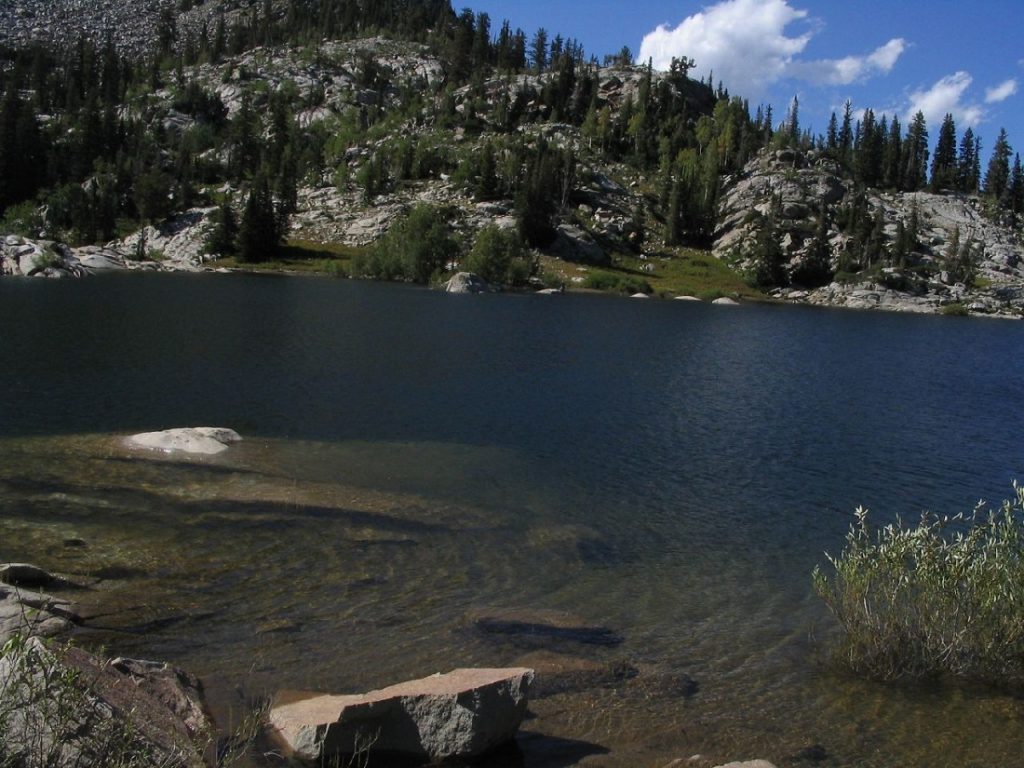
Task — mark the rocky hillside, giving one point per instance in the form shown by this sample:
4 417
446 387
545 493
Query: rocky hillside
133 25
599 223
794 189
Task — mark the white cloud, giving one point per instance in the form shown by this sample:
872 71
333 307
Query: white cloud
1001 92
849 69
745 43
947 96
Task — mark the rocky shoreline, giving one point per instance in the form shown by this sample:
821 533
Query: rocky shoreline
179 250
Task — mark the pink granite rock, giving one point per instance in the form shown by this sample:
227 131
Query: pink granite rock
463 713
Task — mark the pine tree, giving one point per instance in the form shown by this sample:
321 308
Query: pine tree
222 238
915 154
997 176
892 161
846 134
258 232
1017 186
944 162
539 50
966 181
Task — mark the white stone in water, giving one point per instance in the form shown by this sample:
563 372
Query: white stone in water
198 440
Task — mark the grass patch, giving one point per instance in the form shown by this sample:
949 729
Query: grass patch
956 309
677 272
943 597
615 282
306 256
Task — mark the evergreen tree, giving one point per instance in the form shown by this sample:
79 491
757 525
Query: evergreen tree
915 154
258 232
539 50
966 164
944 162
892 160
1017 186
222 239
997 176
846 133
832 135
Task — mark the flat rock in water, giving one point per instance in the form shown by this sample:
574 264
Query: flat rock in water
23 612
559 673
542 628
464 713
205 441
725 302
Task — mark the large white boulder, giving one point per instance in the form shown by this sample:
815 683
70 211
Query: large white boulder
196 440
463 713
466 282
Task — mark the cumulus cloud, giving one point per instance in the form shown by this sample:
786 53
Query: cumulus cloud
746 43
849 69
1001 92
947 96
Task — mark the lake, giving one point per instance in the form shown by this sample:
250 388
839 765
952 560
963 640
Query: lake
412 460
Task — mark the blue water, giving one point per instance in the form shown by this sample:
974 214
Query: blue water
697 459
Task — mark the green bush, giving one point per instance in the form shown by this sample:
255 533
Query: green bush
498 257
22 219
943 597
415 248
955 309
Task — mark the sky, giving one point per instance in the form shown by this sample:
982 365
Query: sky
894 56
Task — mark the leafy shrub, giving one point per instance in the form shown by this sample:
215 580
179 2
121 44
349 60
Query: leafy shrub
49 717
22 219
943 597
498 257
413 249
955 309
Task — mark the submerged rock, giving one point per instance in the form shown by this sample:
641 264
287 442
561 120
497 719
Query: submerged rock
542 628
26 575
196 440
464 713
559 673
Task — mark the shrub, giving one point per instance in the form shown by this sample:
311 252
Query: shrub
498 257
943 597
22 219
49 717
413 249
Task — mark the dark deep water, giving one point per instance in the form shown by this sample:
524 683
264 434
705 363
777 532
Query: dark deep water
669 470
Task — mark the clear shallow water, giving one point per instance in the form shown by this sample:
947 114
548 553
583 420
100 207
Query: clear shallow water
670 471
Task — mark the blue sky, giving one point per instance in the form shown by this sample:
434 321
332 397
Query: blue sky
891 55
